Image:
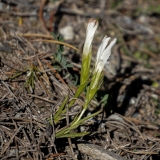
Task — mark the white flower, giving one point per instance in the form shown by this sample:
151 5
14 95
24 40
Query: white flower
103 53
91 29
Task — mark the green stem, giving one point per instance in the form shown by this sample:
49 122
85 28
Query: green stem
80 116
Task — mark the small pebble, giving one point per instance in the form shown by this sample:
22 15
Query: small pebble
136 115
82 128
132 101
67 32
115 117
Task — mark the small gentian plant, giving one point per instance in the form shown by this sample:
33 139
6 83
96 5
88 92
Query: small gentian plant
91 82
103 54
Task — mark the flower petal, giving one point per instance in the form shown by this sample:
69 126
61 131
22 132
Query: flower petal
103 53
91 29
107 51
102 47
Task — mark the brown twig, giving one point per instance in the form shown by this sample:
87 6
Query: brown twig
40 15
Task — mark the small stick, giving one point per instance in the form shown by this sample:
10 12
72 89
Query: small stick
97 152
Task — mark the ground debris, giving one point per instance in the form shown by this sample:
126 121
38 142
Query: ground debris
39 68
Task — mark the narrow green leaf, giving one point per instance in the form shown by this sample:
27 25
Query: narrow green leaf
73 135
88 117
56 119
